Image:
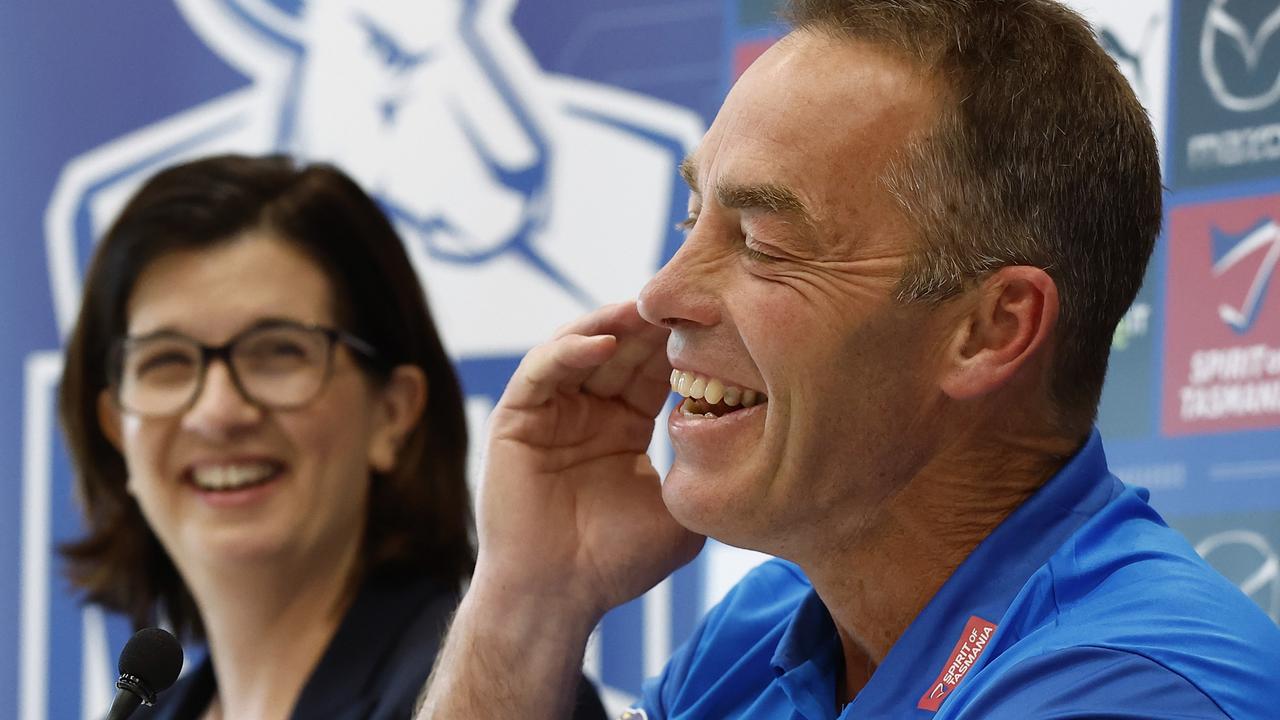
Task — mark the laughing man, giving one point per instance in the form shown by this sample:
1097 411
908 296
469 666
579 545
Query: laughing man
913 229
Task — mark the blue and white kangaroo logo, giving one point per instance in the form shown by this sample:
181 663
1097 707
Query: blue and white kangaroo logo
557 190
524 199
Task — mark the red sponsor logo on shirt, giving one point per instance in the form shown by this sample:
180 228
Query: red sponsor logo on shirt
973 641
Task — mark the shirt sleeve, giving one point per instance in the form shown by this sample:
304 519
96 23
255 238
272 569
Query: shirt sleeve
1087 682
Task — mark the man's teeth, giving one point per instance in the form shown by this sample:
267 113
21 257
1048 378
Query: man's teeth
713 390
229 477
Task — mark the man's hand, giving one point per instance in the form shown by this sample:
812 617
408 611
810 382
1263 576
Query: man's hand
570 503
571 520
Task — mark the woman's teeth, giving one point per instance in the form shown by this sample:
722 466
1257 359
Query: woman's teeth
231 477
711 397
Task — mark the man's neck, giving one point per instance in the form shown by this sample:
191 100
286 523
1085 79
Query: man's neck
875 584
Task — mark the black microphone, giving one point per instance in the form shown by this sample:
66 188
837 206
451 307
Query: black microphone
149 663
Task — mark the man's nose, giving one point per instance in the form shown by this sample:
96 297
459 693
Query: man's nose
683 292
220 409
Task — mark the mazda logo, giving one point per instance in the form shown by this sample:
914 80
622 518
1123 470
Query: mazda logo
1219 22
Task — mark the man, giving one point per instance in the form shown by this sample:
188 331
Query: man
914 227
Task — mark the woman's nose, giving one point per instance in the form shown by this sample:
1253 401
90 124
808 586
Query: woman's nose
220 408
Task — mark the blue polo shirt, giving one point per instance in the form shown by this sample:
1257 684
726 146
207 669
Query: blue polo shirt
1081 604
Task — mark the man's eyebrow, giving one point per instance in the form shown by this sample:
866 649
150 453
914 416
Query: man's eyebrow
771 197
689 171
777 199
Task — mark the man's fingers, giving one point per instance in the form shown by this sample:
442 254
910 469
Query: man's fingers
617 319
653 386
610 353
555 366
647 398
636 350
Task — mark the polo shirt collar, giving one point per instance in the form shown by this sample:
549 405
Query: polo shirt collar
983 586
806 657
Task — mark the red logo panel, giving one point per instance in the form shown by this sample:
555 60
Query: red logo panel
1222 337
972 643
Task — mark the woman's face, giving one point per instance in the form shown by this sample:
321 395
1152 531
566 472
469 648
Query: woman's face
227 482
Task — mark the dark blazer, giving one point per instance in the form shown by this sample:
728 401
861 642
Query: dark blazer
373 669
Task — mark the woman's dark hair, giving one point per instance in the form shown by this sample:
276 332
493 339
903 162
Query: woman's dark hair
419 516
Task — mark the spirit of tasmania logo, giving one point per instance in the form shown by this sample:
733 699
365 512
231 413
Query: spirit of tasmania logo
973 641
1222 343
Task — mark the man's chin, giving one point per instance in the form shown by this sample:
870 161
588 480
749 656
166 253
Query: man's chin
705 503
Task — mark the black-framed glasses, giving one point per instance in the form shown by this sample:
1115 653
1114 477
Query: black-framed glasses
282 365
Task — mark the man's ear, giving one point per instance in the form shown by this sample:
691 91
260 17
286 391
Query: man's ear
109 420
401 403
1007 327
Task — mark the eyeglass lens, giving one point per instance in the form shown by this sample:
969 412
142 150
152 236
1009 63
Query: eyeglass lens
274 366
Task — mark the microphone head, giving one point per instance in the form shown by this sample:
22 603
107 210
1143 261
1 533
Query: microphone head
154 656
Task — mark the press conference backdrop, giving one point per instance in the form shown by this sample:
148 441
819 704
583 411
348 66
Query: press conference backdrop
535 179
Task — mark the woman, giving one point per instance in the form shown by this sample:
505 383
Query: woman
270 442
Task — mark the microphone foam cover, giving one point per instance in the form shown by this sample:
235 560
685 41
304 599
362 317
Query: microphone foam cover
154 656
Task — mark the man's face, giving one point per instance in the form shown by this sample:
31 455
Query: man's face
784 287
